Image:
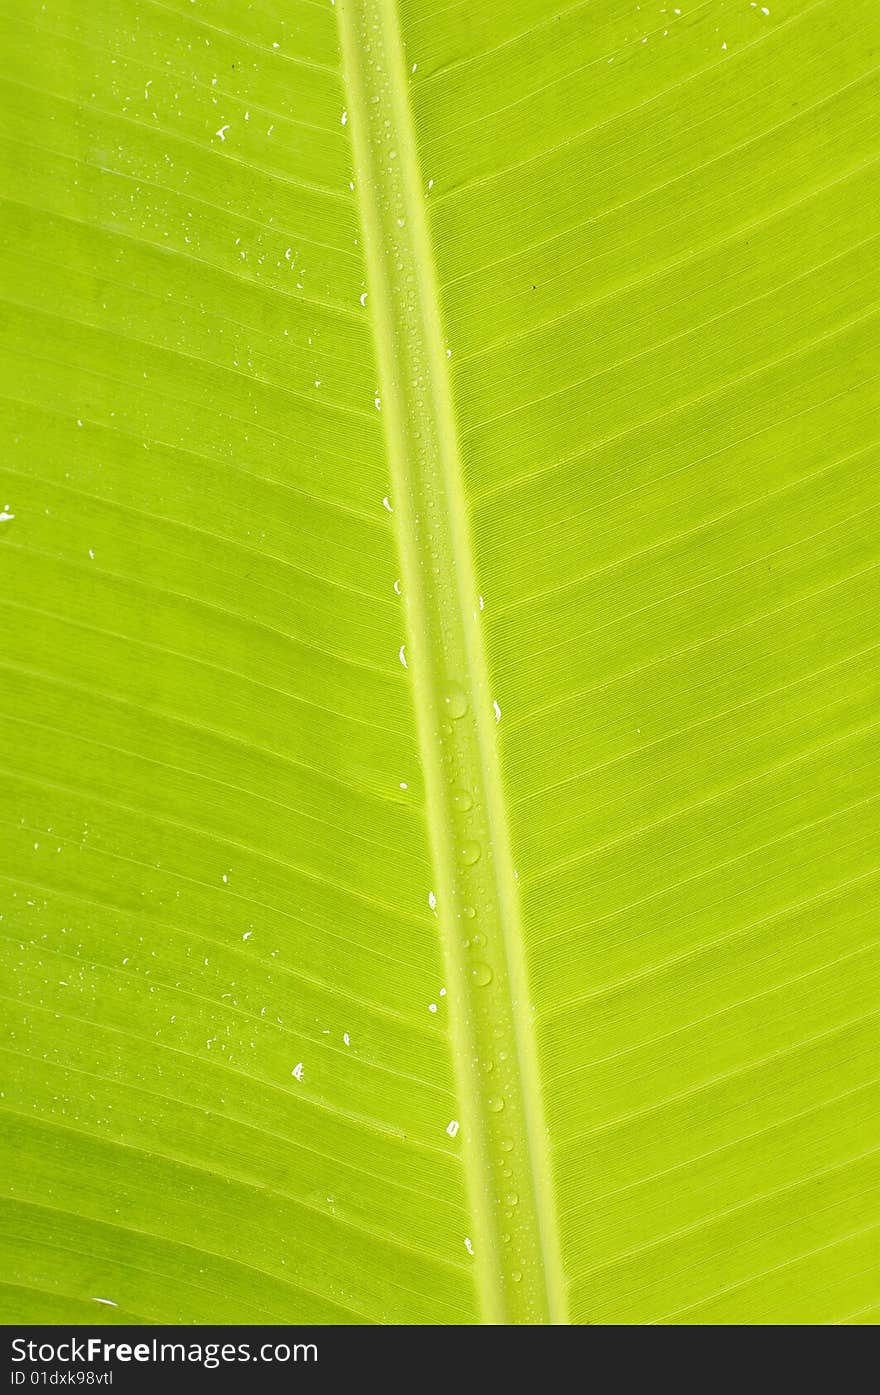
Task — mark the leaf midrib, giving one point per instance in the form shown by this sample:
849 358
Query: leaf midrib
503 1137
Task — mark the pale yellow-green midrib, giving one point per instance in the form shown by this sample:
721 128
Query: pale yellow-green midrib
513 1233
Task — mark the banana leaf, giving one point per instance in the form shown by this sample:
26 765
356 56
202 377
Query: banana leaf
439 579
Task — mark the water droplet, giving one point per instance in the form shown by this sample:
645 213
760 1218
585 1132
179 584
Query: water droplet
454 701
516 1276
462 800
468 912
478 939
481 974
507 1145
469 853
495 1103
511 1199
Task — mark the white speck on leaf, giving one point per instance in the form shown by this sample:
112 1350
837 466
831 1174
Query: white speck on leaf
346 1038
402 655
432 900
432 1007
107 1301
386 504
297 1071
343 120
452 1127
222 132
467 1244
496 709
5 515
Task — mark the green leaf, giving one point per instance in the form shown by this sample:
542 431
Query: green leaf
439 548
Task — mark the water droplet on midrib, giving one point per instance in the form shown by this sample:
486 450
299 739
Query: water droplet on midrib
454 701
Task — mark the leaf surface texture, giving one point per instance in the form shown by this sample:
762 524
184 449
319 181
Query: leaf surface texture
439 673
